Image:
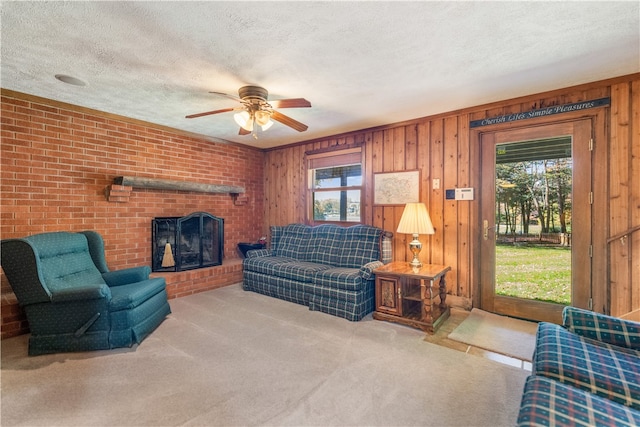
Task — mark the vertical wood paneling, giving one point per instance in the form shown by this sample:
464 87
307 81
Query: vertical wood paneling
450 207
398 138
619 199
635 195
423 163
600 214
423 131
463 220
367 176
436 205
378 152
411 147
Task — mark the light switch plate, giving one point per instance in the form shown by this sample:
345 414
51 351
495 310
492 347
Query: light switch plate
436 183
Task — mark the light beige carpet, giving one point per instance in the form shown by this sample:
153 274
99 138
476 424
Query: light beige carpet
500 334
233 358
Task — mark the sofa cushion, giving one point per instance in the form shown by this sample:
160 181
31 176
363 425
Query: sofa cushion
361 245
291 241
603 369
546 402
339 278
299 270
265 264
325 244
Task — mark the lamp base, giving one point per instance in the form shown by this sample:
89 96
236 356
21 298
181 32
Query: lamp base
415 247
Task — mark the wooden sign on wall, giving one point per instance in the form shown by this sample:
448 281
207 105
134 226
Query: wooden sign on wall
541 112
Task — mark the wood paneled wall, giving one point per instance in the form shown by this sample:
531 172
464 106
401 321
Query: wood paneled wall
443 147
624 198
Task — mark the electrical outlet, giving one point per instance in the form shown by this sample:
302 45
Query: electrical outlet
436 183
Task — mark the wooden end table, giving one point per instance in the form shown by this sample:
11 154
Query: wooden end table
405 294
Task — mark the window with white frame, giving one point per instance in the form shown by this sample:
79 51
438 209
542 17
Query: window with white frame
335 180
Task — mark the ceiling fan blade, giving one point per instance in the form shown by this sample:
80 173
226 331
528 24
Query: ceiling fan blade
235 98
290 103
208 113
288 121
243 131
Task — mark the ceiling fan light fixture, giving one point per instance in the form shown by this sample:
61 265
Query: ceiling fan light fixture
256 110
244 120
267 125
262 117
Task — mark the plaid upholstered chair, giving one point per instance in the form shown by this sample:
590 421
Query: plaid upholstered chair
71 299
586 372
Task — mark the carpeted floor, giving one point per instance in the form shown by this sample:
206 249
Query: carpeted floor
500 334
231 358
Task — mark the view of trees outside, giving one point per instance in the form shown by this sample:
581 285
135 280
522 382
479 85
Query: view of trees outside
327 205
533 223
336 193
534 193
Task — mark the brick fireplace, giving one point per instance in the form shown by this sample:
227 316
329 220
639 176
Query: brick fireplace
58 159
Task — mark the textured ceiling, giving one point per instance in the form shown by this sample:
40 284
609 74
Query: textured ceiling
360 64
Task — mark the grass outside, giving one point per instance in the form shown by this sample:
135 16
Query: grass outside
540 273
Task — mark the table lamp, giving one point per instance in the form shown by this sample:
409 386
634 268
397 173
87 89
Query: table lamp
415 220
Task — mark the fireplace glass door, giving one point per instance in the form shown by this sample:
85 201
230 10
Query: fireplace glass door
187 243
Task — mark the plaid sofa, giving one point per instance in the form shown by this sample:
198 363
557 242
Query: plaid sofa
586 372
327 268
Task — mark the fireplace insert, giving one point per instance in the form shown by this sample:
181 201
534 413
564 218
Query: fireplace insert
187 243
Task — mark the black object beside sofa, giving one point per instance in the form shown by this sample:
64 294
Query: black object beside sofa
327 267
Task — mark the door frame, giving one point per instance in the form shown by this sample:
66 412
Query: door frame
600 287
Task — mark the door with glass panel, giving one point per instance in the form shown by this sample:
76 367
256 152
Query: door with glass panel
536 220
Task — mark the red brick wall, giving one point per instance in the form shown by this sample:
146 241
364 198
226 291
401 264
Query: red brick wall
57 161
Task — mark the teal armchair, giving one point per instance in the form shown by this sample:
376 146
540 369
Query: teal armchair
71 299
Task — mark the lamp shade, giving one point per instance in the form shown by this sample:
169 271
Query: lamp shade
415 220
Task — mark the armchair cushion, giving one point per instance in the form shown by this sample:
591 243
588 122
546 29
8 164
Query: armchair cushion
546 402
132 295
600 327
127 275
64 260
606 370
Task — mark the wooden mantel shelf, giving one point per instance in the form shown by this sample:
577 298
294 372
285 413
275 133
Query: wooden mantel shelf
166 184
120 190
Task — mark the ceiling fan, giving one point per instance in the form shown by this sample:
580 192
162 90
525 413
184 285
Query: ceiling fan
257 110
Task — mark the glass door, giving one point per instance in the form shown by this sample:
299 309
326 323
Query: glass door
536 220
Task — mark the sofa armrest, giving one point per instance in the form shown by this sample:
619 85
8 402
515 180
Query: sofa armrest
256 253
126 276
600 327
81 293
366 271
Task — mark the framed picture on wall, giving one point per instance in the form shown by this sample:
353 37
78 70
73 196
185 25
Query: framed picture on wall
396 188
